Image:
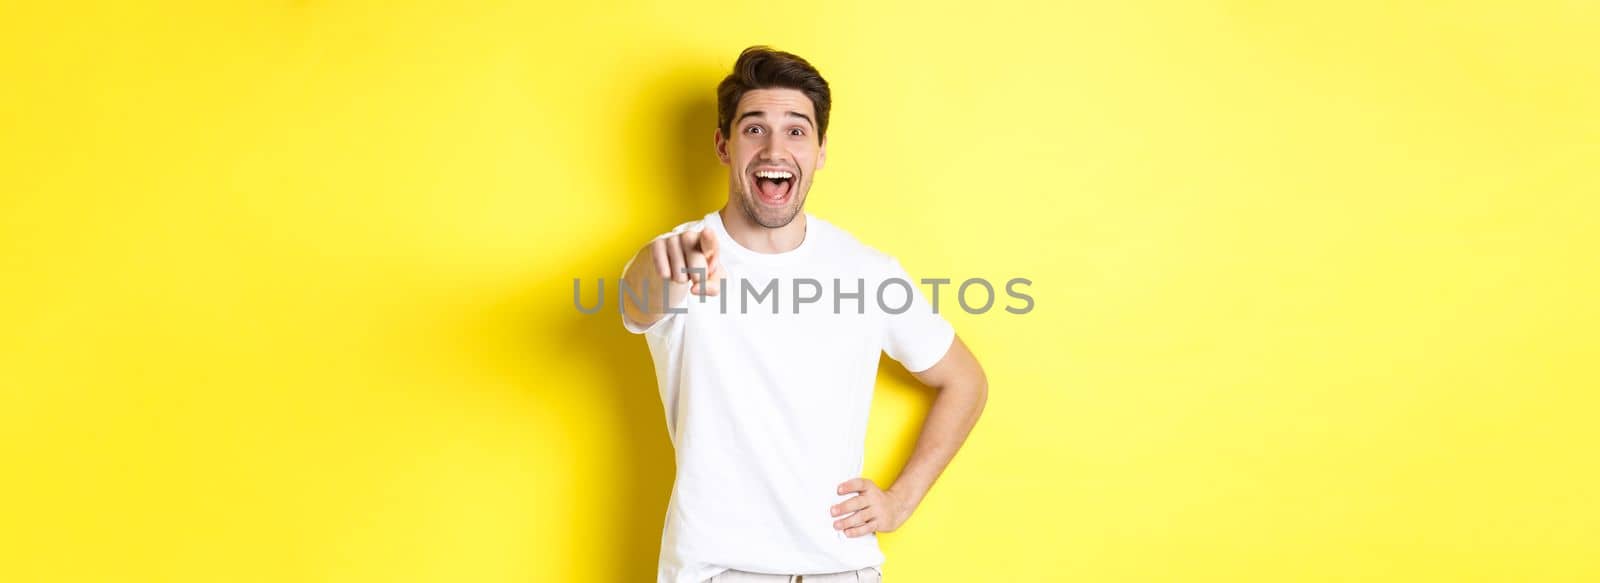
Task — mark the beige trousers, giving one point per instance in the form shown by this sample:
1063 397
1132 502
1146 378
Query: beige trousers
867 575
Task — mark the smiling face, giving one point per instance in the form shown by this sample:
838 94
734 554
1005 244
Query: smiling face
772 151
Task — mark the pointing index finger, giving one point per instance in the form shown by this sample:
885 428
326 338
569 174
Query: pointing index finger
708 242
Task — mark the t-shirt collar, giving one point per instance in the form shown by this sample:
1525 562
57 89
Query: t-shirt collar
714 221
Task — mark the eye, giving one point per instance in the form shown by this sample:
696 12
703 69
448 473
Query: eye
754 130
797 132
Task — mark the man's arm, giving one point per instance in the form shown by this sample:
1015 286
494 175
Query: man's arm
963 389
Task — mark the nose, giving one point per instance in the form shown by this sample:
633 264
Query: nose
774 153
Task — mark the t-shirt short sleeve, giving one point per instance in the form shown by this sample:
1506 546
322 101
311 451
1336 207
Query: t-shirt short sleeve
917 338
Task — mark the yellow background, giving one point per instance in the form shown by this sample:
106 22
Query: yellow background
287 285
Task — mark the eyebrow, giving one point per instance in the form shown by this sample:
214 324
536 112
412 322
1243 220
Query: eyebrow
759 113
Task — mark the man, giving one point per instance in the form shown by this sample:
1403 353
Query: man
767 401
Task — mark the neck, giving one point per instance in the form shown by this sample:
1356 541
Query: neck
753 236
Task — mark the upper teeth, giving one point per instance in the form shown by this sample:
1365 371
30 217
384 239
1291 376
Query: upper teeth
775 174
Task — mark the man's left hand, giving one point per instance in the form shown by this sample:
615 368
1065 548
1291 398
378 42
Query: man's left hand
875 509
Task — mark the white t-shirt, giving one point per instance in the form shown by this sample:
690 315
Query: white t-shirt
767 411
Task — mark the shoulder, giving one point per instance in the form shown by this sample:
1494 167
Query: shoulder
844 245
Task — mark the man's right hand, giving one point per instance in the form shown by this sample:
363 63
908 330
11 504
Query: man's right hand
688 257
688 260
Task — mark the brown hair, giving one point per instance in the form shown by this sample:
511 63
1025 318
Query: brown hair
761 67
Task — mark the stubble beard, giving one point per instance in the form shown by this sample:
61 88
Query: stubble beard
769 217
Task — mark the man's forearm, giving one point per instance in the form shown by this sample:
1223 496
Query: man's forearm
954 412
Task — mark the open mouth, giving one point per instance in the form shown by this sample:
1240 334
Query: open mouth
774 187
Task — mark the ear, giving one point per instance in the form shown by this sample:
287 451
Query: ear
722 148
822 153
